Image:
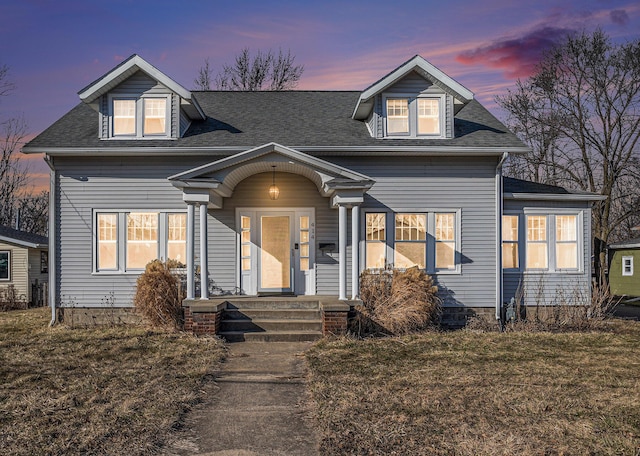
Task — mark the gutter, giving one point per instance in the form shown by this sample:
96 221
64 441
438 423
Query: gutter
499 209
52 240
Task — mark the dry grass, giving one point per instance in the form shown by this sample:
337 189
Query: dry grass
117 390
469 393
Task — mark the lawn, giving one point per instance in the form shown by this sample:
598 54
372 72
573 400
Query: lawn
471 393
110 390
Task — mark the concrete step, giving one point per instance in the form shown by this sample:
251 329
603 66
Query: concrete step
278 314
271 336
244 304
258 325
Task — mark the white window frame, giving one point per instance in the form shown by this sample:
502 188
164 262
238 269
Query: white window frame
551 240
121 238
8 278
412 101
430 237
558 241
424 241
627 272
139 116
517 242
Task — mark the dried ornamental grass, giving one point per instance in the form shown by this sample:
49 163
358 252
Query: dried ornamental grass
396 302
159 294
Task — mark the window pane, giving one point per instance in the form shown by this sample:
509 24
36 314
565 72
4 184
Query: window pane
142 239
510 228
567 256
304 250
428 116
510 255
410 254
124 117
304 264
566 228
397 116
536 256
304 222
107 241
4 265
411 227
446 255
445 227
375 255
155 114
536 228
375 227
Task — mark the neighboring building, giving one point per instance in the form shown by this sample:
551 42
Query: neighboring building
297 192
24 264
624 258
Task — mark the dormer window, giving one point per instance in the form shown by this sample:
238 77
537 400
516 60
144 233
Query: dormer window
143 117
414 117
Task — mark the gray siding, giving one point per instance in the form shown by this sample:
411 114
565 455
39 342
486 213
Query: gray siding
432 184
543 287
108 184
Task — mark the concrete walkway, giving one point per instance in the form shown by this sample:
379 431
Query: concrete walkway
257 406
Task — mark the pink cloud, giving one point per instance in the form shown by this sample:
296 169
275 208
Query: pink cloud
517 57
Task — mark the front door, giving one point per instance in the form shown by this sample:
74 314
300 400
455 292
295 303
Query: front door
276 251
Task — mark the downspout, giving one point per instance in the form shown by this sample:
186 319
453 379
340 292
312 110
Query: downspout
499 209
52 239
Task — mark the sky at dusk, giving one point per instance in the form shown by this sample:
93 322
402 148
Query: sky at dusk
55 48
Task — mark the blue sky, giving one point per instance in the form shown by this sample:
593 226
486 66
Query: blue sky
55 48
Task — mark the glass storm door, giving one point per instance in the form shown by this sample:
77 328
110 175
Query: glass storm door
275 274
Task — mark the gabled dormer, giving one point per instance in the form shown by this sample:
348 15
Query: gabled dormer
135 100
414 101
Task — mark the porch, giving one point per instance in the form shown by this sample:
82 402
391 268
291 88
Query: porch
272 319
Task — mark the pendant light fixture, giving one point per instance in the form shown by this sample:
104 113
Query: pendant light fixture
274 191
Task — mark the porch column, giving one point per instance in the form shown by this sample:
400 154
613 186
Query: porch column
204 267
355 251
342 247
191 275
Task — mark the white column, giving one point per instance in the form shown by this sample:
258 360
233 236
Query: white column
204 267
191 276
355 250
342 246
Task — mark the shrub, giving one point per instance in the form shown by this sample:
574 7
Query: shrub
396 302
159 294
11 300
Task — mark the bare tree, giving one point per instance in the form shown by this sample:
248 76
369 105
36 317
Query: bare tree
203 81
262 71
14 175
580 113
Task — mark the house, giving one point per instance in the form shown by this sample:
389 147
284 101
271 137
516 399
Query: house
24 266
296 193
624 280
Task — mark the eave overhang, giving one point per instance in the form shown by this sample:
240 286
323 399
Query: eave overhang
22 243
554 196
381 150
